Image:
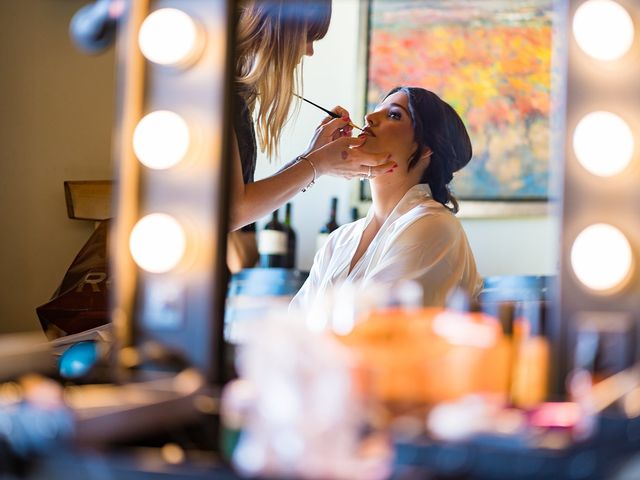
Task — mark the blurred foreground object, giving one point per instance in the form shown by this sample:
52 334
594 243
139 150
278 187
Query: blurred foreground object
22 353
428 355
253 292
42 420
299 407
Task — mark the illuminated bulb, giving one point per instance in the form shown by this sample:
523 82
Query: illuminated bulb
161 139
172 453
601 257
168 37
157 243
603 143
603 29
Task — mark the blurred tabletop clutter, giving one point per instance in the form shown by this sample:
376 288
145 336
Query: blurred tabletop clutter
394 390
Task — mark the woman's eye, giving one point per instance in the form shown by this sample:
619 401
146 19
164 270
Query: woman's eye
394 115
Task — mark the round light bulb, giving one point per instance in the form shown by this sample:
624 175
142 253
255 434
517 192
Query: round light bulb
161 139
168 36
601 257
157 243
603 143
603 29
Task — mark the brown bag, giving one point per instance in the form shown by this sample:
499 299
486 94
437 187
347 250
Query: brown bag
81 302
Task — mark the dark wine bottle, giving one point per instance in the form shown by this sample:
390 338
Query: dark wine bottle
290 259
355 215
272 244
328 227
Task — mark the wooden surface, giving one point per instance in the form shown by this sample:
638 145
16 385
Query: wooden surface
88 199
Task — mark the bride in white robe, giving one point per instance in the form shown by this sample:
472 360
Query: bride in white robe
410 231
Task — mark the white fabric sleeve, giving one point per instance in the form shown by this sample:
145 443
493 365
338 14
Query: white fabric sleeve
305 297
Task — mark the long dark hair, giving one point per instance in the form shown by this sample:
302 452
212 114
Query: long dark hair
438 127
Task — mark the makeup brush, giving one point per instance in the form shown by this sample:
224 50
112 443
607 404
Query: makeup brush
329 112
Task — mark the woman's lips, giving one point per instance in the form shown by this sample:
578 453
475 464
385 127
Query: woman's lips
368 131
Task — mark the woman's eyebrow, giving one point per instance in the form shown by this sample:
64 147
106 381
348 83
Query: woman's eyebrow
393 105
400 106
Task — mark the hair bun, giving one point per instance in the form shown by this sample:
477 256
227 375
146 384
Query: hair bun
459 138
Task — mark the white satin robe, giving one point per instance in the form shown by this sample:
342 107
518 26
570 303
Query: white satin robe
421 240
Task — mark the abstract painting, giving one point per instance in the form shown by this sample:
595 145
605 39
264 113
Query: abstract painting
492 61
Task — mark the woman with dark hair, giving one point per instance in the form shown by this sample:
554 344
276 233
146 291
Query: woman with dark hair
410 231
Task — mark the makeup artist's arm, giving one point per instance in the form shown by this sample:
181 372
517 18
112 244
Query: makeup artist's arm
329 130
253 201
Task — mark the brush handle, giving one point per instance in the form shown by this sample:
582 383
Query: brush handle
331 114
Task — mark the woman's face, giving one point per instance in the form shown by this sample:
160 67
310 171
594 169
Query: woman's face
389 129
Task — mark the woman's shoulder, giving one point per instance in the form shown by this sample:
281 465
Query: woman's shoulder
429 218
430 211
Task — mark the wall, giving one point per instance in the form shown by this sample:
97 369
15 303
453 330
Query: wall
56 113
526 245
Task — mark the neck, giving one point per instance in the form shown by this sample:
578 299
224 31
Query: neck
387 192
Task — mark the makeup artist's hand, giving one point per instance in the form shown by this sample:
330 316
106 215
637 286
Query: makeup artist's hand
342 158
331 129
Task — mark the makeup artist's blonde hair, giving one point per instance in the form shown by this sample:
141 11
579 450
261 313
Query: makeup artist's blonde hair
271 40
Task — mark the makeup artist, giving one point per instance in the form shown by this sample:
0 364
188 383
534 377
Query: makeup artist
272 37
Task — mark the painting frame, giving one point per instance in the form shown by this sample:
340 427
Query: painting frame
481 207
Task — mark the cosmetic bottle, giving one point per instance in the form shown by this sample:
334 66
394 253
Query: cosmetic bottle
530 370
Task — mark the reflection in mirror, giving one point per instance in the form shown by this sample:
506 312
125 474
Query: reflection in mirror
522 244
508 237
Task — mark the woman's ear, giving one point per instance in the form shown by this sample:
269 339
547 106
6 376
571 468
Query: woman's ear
427 153
425 158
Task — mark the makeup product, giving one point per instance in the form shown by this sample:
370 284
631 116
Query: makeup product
529 382
329 112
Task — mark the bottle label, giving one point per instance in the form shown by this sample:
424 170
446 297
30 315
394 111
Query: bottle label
321 239
272 242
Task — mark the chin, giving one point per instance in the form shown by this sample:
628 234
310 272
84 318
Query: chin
366 147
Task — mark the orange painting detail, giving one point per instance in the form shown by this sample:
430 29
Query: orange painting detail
491 60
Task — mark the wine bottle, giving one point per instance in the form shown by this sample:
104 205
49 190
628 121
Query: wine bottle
290 259
355 215
328 227
272 244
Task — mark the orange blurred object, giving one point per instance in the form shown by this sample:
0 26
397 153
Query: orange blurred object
430 355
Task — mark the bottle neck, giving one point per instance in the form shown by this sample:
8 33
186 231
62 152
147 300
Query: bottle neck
333 210
287 215
274 223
